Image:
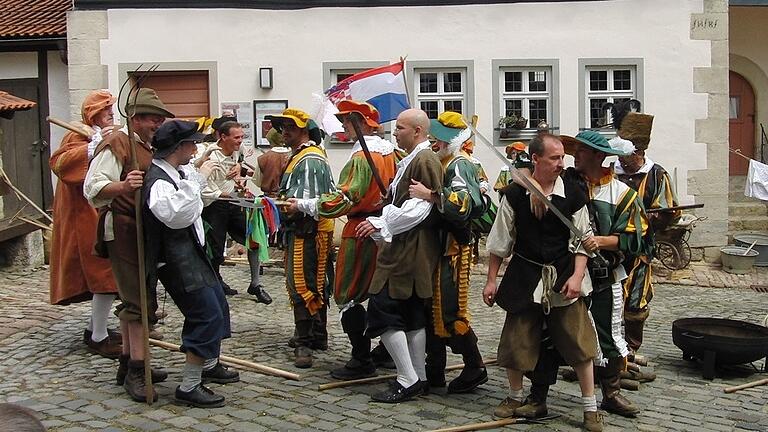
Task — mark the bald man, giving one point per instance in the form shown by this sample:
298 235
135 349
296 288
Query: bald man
409 251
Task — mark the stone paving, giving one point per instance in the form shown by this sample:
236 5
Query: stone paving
45 367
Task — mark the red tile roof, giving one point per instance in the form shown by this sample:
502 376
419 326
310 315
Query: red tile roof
33 18
9 102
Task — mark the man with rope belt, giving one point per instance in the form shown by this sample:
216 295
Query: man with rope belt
654 187
357 197
409 251
308 241
109 185
176 256
458 201
545 281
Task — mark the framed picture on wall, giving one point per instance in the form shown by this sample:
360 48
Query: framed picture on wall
261 109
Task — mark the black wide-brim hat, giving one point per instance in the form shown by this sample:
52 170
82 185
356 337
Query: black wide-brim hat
172 134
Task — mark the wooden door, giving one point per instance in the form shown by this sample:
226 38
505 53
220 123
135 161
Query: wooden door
24 156
742 123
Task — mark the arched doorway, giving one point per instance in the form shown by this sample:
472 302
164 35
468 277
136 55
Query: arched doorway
741 134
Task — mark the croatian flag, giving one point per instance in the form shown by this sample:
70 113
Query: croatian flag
382 87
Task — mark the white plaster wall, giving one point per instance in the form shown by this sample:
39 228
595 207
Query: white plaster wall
18 65
295 43
58 97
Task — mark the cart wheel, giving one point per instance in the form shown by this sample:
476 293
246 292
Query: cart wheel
685 254
668 255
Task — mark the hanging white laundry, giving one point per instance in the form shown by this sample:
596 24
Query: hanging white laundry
757 181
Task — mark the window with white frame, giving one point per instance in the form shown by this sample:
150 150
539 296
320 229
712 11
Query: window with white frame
604 84
439 90
526 92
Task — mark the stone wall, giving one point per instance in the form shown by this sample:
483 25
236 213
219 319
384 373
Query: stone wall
85 30
710 185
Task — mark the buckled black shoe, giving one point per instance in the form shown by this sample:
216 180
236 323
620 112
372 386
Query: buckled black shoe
397 393
200 397
220 374
468 380
262 296
354 369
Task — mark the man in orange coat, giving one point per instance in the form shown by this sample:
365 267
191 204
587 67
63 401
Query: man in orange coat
77 274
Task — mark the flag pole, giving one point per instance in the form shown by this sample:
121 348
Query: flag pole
405 81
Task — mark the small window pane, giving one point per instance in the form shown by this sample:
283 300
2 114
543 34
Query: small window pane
598 80
513 81
733 107
622 80
537 111
513 107
596 112
430 107
342 76
452 82
537 81
428 82
453 105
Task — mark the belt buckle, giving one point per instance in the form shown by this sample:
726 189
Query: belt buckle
600 272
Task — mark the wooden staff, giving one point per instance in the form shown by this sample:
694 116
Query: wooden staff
137 207
494 424
746 386
21 196
236 362
380 378
68 126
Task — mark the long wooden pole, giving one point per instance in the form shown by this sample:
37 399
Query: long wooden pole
68 126
491 424
381 378
746 386
234 361
137 206
21 195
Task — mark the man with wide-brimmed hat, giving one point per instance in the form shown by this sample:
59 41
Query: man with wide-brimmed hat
458 201
110 185
176 256
654 187
308 241
357 197
76 273
619 225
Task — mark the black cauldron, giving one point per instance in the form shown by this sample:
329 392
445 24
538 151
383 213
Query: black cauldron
718 341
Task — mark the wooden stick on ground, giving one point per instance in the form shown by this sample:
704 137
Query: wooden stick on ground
746 386
485 425
236 362
381 378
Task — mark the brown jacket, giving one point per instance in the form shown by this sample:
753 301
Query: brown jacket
409 261
272 165
122 207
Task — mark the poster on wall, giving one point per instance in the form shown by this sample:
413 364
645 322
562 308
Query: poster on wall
243 111
261 109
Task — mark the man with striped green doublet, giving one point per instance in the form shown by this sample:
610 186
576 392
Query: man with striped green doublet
356 197
308 241
619 225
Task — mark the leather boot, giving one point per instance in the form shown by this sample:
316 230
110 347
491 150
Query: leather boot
134 383
158 375
634 321
474 374
610 385
435 360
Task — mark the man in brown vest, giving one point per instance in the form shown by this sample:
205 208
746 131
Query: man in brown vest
409 251
109 186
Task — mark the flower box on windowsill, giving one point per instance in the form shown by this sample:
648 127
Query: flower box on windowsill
527 133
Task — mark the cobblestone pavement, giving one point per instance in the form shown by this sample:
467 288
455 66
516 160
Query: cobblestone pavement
45 367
